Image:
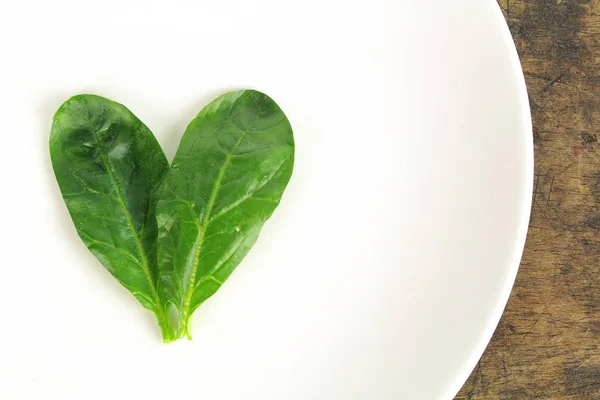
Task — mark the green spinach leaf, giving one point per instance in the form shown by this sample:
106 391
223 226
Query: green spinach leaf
201 216
108 166
232 166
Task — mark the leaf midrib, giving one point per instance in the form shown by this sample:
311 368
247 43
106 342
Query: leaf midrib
206 221
138 243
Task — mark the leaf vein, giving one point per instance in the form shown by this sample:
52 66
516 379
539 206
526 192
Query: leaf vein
218 266
235 204
93 241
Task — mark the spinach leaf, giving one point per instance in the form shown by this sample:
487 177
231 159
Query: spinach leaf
232 166
201 216
108 166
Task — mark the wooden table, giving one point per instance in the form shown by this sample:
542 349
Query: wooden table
547 344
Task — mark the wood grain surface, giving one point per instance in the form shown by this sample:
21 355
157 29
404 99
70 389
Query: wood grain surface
547 345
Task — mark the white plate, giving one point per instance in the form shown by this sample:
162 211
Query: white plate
384 271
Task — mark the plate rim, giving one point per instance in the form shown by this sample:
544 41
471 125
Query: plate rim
509 279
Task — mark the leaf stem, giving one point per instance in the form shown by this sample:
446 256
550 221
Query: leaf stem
166 330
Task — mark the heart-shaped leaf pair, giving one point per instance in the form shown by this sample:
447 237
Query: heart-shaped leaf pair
172 235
